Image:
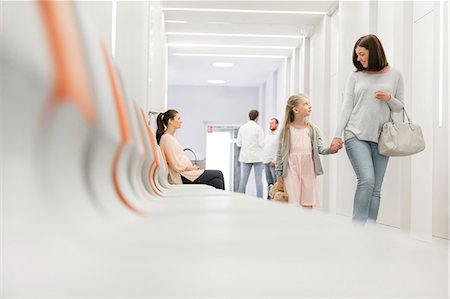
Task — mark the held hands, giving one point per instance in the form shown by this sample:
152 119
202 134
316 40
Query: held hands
382 95
336 145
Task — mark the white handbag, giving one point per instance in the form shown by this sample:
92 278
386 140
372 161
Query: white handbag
400 138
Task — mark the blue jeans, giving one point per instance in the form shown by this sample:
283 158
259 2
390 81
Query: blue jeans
370 168
246 168
271 177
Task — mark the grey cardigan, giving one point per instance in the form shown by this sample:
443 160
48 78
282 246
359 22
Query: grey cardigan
282 163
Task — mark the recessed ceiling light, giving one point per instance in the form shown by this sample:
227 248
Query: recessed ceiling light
227 55
234 34
182 45
217 81
175 22
247 11
223 64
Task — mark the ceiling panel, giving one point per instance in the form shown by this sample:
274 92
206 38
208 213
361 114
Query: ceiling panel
267 28
219 40
198 70
318 5
242 18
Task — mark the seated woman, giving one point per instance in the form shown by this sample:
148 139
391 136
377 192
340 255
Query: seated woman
181 170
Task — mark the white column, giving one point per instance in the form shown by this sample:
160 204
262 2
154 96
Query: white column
423 100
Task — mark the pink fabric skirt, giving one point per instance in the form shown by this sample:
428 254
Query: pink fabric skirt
300 182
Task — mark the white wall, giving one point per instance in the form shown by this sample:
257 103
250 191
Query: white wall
199 105
441 133
140 46
319 93
132 41
281 96
334 107
268 105
157 75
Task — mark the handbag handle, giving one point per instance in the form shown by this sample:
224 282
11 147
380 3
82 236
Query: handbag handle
391 118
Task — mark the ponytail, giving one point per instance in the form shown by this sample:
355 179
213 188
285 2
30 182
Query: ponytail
161 128
162 121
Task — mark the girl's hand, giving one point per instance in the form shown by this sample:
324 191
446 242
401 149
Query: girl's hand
336 145
382 95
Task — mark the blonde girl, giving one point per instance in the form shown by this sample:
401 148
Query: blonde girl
298 161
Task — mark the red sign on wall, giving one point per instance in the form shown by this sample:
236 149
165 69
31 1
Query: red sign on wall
210 129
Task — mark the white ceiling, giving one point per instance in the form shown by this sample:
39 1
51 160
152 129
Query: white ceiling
265 32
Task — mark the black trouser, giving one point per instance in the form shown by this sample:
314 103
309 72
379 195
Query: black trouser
209 177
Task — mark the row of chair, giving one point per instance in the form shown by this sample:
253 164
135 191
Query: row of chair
91 136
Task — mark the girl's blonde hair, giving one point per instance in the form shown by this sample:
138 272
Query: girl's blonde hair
285 136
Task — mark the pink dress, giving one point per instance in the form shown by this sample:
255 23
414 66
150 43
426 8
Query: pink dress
300 182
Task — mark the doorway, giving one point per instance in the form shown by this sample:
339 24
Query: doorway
222 153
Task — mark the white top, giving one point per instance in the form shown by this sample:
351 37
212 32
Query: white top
177 161
251 141
363 115
271 146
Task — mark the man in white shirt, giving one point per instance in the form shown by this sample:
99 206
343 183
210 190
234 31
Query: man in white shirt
270 152
251 141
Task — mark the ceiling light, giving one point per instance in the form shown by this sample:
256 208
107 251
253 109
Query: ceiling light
175 22
227 55
233 34
223 64
217 81
294 12
178 45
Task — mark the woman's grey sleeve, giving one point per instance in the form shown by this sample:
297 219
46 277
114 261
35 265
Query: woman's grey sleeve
347 106
396 101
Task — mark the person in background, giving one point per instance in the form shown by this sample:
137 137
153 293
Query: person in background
298 162
251 141
181 170
270 153
371 93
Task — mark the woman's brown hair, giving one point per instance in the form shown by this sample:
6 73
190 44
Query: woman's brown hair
377 58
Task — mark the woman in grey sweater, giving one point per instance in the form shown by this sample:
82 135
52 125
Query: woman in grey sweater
371 92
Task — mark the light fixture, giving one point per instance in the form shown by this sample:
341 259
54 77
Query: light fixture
217 81
175 22
234 34
292 12
227 55
181 45
223 64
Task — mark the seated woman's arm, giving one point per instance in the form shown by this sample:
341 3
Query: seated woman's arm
175 157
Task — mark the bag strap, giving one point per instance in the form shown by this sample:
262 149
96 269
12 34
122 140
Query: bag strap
391 114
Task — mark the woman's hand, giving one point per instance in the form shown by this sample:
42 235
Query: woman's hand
192 167
336 145
382 95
